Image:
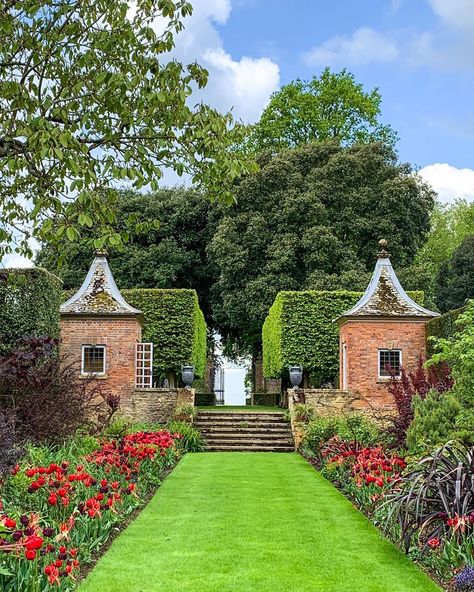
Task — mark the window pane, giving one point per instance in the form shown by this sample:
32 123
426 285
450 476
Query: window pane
94 360
389 362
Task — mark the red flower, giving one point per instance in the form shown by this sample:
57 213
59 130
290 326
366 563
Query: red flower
33 543
9 523
434 543
52 500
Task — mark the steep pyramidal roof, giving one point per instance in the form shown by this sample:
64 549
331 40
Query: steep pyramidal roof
98 294
385 296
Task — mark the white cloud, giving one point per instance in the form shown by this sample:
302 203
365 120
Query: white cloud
455 13
245 85
242 84
449 182
15 260
363 47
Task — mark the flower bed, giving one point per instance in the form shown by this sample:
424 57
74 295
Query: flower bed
427 505
55 514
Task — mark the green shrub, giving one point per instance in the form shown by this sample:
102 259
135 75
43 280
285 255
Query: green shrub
191 440
434 420
175 324
303 413
29 305
352 428
300 330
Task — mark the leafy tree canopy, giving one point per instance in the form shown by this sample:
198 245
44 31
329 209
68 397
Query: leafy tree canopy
170 256
450 225
331 106
90 98
455 281
311 218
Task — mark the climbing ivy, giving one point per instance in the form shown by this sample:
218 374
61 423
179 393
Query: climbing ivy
300 329
176 326
29 305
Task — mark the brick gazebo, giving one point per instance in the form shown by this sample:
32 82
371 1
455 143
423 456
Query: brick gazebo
384 331
100 331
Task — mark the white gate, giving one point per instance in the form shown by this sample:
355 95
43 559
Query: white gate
144 365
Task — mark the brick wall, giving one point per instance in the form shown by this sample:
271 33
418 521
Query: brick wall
156 405
119 335
363 339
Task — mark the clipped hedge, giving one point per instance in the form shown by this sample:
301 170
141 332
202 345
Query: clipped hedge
176 326
442 327
29 305
299 329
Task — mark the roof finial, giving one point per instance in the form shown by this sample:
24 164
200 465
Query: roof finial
383 253
101 253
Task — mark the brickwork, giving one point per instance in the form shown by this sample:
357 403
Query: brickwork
156 405
362 340
119 335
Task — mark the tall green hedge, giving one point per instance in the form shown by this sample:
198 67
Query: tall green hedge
300 330
176 326
442 326
29 305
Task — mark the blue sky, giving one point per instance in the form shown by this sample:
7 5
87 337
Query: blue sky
420 53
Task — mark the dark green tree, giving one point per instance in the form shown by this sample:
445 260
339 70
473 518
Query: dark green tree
171 256
455 281
311 218
330 106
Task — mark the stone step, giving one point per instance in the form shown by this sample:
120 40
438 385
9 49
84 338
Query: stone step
245 438
239 430
241 416
247 448
227 425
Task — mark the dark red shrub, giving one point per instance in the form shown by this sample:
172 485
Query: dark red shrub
403 389
46 394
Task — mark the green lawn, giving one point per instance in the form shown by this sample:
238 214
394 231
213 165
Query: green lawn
252 522
240 408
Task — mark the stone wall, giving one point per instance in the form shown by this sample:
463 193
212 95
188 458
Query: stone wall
363 339
330 402
156 405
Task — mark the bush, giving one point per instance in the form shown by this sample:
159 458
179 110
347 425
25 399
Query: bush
434 420
353 428
47 398
190 439
458 352
434 507
299 330
303 413
403 390
29 305
175 324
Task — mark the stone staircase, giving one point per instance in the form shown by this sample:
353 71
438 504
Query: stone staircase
245 431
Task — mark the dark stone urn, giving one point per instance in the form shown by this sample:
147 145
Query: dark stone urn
187 375
296 375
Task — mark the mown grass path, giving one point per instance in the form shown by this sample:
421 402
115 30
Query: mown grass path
252 522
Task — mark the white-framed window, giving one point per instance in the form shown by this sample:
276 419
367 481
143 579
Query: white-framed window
93 360
390 363
144 365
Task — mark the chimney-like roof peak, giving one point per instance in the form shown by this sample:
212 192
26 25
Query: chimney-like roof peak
98 295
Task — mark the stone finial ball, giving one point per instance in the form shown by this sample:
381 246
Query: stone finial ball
383 244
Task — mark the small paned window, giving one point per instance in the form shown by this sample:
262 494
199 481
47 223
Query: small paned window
93 359
390 362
